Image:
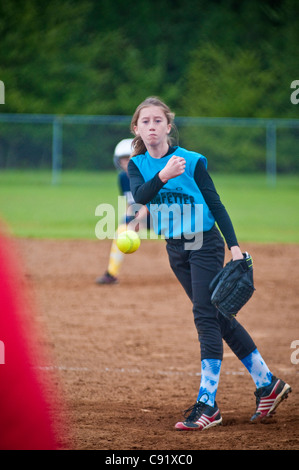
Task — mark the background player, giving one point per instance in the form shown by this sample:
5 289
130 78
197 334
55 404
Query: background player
121 159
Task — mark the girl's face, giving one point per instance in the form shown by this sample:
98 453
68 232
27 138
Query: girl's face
152 126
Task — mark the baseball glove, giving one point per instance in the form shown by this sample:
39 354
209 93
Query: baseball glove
233 286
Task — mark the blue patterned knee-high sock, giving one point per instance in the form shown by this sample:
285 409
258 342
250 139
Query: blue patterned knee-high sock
210 373
258 369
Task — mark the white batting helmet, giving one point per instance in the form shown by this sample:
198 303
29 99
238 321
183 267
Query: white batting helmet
123 149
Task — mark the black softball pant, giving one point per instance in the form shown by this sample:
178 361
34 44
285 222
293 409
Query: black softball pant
195 269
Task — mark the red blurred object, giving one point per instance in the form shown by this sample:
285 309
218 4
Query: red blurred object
26 406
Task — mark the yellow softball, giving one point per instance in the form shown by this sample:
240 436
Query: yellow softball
128 241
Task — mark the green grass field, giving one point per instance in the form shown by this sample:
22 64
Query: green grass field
33 207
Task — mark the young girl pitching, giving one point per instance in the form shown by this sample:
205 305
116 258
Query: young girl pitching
162 177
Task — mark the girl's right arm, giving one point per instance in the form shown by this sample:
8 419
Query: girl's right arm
143 192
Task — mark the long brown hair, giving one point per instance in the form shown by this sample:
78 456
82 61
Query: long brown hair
138 144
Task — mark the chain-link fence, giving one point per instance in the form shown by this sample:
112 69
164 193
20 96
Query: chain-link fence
87 142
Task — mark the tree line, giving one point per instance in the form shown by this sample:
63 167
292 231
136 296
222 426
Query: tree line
204 58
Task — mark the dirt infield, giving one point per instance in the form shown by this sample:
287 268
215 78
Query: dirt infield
127 356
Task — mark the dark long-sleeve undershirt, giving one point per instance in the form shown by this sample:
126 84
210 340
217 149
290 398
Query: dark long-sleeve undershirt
144 191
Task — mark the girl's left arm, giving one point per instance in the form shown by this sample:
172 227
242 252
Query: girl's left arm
208 190
236 252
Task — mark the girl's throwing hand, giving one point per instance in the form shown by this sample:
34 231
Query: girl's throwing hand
174 167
